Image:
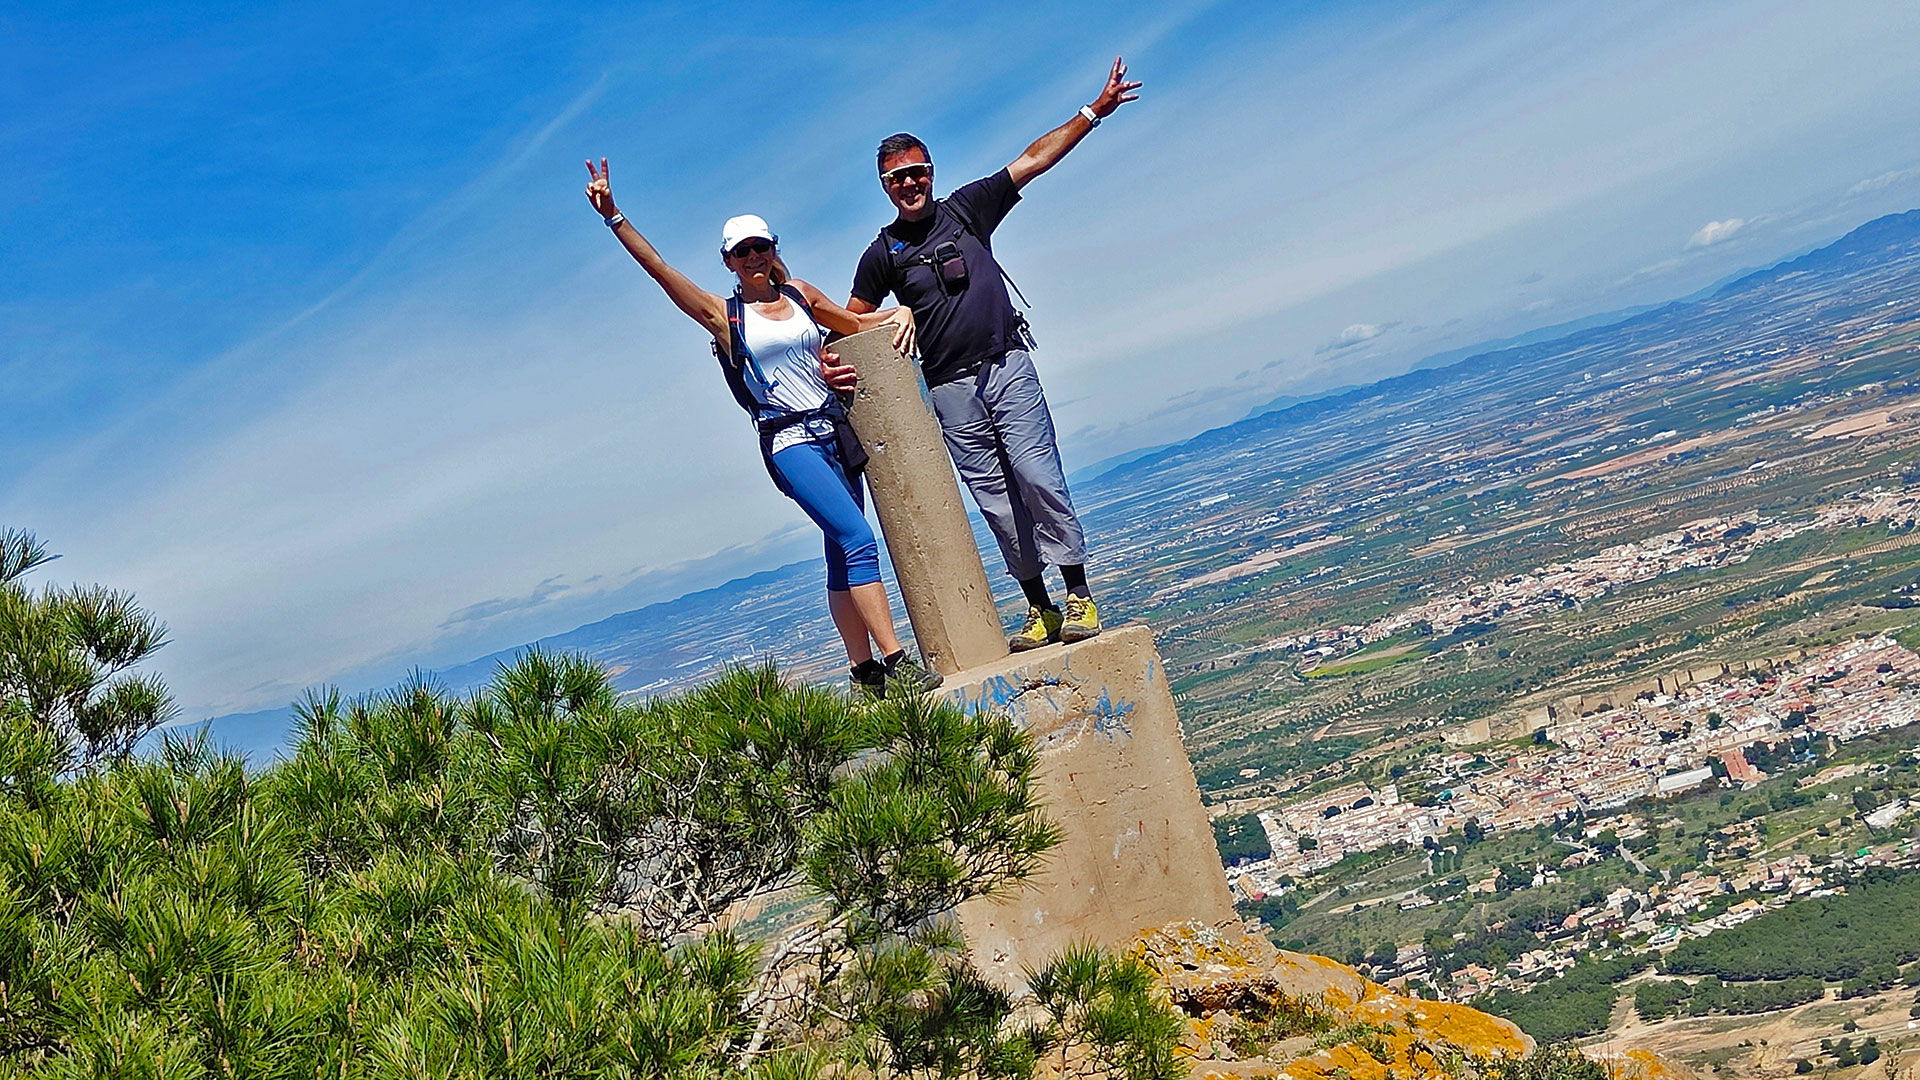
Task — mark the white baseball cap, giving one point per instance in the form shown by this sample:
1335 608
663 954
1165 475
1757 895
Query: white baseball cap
744 227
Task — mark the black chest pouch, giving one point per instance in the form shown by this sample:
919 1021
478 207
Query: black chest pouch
950 264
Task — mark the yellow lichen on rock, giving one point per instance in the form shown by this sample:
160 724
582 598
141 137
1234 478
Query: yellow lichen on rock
1644 1065
1285 1014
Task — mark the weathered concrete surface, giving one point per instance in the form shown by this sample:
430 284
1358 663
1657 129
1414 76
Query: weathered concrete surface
931 544
1138 850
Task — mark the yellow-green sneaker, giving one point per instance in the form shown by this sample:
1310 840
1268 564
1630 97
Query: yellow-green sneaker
1082 619
1042 628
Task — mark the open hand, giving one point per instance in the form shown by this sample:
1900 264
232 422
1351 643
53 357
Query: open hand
841 378
1118 91
901 318
600 189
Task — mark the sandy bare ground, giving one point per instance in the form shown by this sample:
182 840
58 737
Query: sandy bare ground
1648 456
1266 560
1448 543
1766 1044
1865 422
1871 422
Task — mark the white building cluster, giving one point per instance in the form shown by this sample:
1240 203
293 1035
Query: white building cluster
1657 745
1697 545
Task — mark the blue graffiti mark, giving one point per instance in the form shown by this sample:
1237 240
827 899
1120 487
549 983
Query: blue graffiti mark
1110 719
998 692
1003 694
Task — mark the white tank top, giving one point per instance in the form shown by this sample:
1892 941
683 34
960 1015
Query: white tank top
787 353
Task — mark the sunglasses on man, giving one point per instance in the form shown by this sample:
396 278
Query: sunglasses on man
751 247
907 174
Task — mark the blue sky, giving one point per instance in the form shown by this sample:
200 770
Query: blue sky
308 337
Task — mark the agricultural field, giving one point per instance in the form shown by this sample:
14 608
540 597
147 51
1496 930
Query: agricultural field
1687 532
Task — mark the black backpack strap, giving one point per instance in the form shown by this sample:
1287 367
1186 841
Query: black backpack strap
894 277
793 293
967 224
735 358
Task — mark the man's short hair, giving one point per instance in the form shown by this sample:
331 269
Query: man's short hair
899 144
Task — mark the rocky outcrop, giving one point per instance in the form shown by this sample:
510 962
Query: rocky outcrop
1257 1011
1644 1065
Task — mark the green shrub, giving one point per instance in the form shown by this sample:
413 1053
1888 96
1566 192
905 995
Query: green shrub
527 881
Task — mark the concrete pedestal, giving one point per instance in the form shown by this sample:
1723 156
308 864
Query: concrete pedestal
1138 850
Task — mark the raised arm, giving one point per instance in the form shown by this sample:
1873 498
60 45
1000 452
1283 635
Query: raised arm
841 320
701 306
1048 149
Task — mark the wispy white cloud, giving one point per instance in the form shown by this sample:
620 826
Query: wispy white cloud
453 211
1715 232
1654 270
497 404
1357 334
1883 181
1520 140
487 610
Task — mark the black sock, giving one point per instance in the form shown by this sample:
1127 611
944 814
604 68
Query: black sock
1036 590
893 661
1075 577
868 668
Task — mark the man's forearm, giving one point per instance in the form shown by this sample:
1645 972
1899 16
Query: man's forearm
1046 151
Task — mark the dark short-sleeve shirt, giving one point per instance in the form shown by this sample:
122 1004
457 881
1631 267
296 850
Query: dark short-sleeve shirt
959 328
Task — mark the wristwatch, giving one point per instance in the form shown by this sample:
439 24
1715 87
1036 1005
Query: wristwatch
1093 118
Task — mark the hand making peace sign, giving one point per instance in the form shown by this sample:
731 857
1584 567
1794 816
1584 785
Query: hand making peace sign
600 189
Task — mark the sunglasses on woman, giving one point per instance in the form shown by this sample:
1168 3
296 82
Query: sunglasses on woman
751 247
906 174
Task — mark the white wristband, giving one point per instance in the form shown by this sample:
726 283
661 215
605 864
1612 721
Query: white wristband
615 221
1093 118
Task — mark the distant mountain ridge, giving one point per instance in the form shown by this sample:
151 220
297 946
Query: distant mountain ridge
1880 238
646 648
777 612
661 624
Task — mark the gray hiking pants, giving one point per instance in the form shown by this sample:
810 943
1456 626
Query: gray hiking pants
1000 434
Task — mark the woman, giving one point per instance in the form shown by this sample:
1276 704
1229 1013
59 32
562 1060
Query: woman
768 339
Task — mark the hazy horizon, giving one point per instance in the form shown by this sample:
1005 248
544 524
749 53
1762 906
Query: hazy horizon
314 345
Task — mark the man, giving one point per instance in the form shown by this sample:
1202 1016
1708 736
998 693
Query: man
937 257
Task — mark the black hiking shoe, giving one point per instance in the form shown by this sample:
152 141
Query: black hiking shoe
869 677
905 672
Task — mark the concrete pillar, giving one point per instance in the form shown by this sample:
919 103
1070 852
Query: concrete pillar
1137 849
921 515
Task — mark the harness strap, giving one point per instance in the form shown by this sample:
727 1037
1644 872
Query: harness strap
739 358
736 360
844 442
927 260
775 424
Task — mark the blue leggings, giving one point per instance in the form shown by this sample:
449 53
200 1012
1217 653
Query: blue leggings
815 480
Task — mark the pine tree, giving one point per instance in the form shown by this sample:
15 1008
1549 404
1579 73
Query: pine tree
537 879
67 697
